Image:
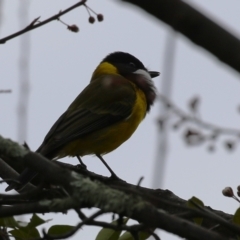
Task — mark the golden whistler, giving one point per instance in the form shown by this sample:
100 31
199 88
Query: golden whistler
103 116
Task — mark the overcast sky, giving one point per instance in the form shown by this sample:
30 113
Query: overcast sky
61 64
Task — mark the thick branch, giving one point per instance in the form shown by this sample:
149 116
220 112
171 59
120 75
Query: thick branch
84 192
195 26
108 200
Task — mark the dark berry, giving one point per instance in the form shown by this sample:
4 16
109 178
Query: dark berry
100 17
91 19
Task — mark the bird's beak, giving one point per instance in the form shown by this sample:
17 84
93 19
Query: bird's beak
154 74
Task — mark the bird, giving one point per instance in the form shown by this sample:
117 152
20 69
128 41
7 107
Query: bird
103 116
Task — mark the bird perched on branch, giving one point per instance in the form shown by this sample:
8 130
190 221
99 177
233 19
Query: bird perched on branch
103 116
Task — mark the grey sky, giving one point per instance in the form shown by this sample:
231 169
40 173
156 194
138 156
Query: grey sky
61 65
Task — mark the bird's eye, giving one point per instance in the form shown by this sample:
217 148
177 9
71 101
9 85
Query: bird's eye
132 65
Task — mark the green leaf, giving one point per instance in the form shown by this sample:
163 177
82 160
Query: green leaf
36 221
16 233
236 217
141 236
24 233
144 235
29 231
126 236
110 234
22 224
192 202
9 222
59 229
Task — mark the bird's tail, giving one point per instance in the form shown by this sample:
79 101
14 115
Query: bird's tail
26 176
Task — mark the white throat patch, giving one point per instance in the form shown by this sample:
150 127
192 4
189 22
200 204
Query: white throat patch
143 73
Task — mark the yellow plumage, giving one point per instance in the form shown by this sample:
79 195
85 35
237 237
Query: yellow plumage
110 138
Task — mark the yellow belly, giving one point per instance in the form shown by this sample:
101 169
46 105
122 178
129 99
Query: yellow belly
109 138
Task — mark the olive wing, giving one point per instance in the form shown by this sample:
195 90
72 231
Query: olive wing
105 101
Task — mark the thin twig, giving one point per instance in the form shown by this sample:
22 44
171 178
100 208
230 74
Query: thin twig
32 25
140 181
155 236
219 219
5 91
9 180
208 126
80 214
73 231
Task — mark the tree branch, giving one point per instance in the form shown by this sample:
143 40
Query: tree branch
35 23
196 27
132 207
201 123
74 230
83 192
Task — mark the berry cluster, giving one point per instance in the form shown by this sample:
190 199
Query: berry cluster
91 18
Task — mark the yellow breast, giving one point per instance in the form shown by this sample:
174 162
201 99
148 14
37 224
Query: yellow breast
110 138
